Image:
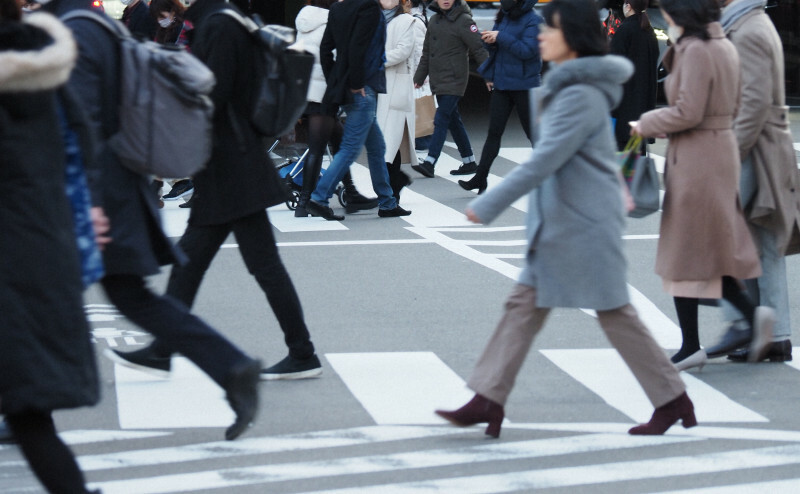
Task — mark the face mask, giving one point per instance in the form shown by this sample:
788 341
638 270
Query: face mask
166 22
674 32
507 4
126 2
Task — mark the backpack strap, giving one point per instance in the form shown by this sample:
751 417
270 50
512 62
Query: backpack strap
116 28
246 22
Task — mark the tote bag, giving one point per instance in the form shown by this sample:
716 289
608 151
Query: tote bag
642 179
425 111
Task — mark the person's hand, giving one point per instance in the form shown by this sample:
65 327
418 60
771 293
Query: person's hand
490 85
359 91
417 86
489 37
101 226
634 125
472 216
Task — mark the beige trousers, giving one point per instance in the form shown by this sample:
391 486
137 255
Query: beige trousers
498 366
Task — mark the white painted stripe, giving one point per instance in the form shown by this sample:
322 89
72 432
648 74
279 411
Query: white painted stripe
498 451
283 219
188 399
508 256
447 163
98 436
264 445
789 486
666 333
593 474
483 229
604 372
640 237
797 146
400 387
496 243
174 218
796 362
335 243
706 432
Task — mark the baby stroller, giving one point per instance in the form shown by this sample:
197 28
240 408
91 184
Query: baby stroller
291 171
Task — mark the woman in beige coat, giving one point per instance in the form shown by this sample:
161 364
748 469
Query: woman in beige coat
704 245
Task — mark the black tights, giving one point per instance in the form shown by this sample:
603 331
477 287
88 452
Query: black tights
49 458
322 130
687 315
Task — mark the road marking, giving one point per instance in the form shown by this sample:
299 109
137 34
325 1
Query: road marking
264 445
701 431
789 486
400 387
604 372
497 451
187 399
284 220
550 478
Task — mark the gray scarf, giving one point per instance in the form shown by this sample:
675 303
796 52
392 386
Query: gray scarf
389 14
737 9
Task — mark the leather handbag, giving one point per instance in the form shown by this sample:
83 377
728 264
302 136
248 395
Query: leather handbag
642 179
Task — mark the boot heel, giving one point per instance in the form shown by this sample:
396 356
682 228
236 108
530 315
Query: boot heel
493 429
689 420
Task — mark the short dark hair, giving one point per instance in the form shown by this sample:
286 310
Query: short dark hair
580 23
693 16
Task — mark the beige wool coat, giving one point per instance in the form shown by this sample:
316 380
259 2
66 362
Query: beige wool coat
762 129
703 233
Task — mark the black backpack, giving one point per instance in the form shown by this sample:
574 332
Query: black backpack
283 75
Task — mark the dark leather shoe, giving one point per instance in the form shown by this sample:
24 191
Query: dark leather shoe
241 391
475 182
465 169
739 335
354 207
778 351
478 410
317 209
393 213
424 168
681 408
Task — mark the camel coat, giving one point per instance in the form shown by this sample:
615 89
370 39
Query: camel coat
396 113
762 129
703 233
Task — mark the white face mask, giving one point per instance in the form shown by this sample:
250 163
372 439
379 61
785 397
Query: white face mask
674 32
165 22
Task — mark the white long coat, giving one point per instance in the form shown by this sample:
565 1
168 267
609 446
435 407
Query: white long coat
310 24
396 118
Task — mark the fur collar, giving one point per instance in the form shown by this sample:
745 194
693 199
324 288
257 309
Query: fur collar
606 73
38 69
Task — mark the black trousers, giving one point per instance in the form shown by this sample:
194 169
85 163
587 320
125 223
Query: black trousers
500 106
173 326
260 254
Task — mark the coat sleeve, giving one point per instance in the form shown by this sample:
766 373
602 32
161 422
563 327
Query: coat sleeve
326 47
693 88
222 55
525 47
422 69
756 76
471 37
564 131
363 32
403 50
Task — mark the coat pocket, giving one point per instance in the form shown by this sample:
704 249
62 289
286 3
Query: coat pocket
400 97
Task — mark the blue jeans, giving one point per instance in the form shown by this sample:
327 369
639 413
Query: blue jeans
771 289
448 118
360 130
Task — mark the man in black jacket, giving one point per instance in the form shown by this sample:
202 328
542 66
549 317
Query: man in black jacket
357 31
138 245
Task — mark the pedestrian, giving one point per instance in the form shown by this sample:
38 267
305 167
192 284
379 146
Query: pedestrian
451 40
47 360
356 30
138 245
324 126
232 195
420 12
769 171
575 224
513 68
396 112
636 40
136 17
704 246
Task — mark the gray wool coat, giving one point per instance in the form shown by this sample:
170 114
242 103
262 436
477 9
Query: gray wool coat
575 209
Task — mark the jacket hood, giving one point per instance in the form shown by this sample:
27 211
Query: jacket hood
459 7
606 73
311 18
37 66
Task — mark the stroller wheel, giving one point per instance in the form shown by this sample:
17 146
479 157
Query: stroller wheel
340 196
293 199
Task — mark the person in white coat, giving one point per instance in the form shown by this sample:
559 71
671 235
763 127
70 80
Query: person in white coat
395 113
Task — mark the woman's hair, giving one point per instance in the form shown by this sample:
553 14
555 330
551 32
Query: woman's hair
323 4
693 16
9 10
580 23
158 6
640 7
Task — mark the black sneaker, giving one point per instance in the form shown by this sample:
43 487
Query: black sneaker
142 360
465 169
182 188
292 368
393 213
425 168
317 209
6 437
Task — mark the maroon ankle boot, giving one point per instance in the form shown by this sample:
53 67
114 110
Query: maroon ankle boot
478 410
681 408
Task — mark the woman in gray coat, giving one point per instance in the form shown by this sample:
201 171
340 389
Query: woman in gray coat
575 224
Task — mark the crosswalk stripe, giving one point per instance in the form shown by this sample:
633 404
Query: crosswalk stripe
284 220
604 372
593 474
701 431
788 486
400 387
232 477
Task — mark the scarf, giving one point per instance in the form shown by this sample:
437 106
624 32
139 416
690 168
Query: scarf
737 9
389 14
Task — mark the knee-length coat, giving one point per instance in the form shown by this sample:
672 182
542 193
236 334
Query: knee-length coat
46 356
703 233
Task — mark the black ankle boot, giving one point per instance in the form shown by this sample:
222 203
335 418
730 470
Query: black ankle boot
398 180
351 194
478 181
300 210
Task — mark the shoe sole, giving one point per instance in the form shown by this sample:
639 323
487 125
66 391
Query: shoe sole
458 172
307 374
762 334
109 354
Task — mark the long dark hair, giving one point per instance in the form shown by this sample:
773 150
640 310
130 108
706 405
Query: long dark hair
693 16
580 24
640 8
